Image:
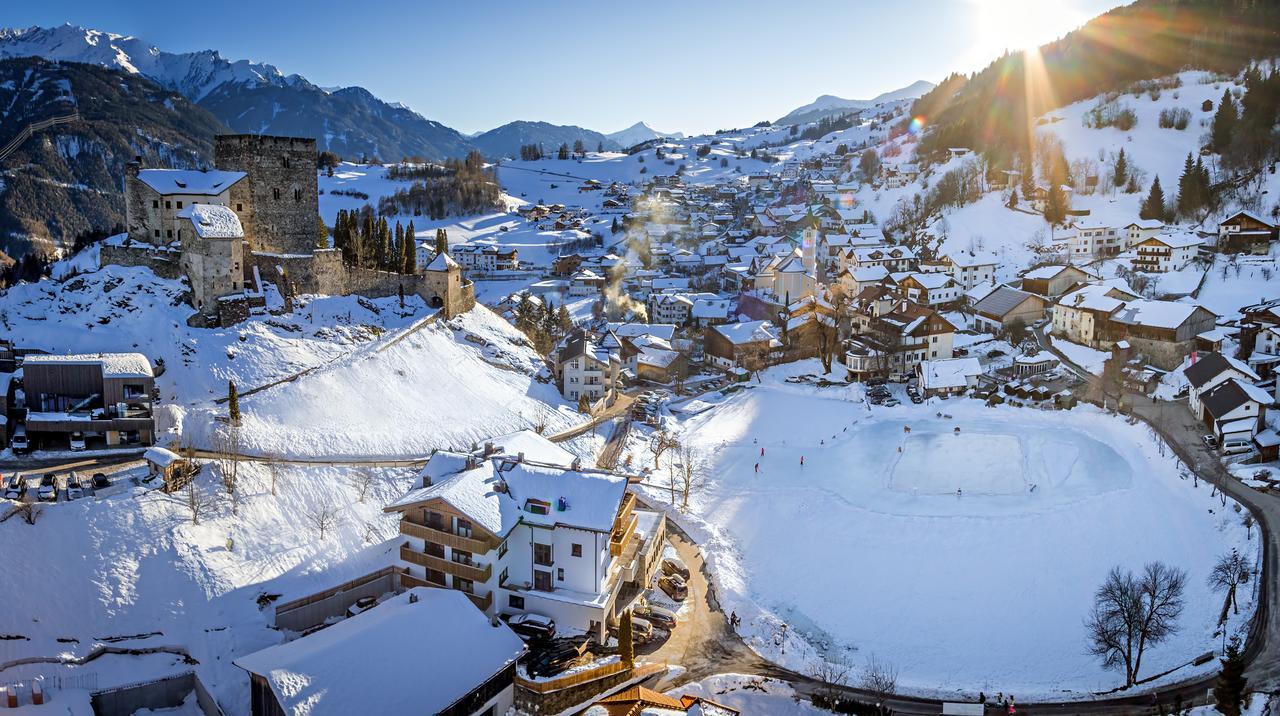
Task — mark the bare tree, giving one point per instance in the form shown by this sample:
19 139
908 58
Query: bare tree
691 472
881 679
832 679
1132 612
323 519
661 442
198 503
226 449
275 471
1231 571
362 480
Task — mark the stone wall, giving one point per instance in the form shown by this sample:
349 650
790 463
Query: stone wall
321 272
283 197
163 261
1166 355
380 284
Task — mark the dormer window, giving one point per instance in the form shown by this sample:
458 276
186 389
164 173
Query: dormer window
535 506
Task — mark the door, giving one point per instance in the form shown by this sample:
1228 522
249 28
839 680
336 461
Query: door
541 580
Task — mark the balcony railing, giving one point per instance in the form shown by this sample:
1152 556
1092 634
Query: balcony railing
618 540
413 528
482 601
476 572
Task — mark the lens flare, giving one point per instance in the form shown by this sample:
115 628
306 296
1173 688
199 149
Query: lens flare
916 126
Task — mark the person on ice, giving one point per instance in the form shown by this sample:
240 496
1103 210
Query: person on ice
761 452
757 468
802 461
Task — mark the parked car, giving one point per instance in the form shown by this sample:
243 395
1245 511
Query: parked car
1236 446
552 661
48 490
915 398
100 480
674 565
16 489
74 491
673 585
899 377
641 629
77 441
19 443
658 616
1210 441
891 402
363 604
529 626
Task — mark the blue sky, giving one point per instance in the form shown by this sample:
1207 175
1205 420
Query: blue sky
681 66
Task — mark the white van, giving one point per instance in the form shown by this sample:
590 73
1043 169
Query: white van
77 441
19 442
1235 446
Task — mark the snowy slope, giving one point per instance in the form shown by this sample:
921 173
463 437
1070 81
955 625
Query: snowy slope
828 105
448 385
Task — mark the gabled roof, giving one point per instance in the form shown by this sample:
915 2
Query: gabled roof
1231 394
333 671
1001 301
189 181
747 332
441 262
1248 214
1210 365
948 373
1096 297
213 221
1156 314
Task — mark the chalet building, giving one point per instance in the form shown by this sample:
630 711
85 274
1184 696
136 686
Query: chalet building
1245 233
375 663
485 259
789 278
586 283
1004 306
1163 253
1206 372
105 397
894 258
1163 331
1053 281
969 268
810 329
586 368
641 701
1234 409
896 338
520 528
748 345
952 376
927 289
853 281
566 265
1260 336
1094 239
1141 230
674 308
1081 316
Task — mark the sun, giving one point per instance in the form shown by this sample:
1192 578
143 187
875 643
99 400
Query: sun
1019 25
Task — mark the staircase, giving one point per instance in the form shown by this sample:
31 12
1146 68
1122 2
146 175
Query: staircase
34 127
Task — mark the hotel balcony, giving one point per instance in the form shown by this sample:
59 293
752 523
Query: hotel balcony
416 529
476 571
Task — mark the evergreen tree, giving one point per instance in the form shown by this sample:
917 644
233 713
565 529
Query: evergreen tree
563 318
578 148
1153 205
233 403
410 249
563 152
442 241
1055 205
1121 170
1028 176
626 642
1224 123
599 147
1013 198
1228 691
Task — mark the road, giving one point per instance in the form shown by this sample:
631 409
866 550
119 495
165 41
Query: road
621 406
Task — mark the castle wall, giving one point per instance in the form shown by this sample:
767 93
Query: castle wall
281 196
163 261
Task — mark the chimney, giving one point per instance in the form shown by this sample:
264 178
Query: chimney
426 480
488 449
413 598
520 457
576 465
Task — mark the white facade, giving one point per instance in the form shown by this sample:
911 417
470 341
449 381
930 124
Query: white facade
1162 254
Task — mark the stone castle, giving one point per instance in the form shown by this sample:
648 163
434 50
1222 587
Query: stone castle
254 220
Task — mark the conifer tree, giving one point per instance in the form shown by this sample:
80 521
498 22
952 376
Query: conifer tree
1055 205
1122 169
1224 123
626 643
1153 205
233 403
442 241
1228 691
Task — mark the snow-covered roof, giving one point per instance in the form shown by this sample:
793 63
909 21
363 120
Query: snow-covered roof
665 331
1157 314
160 456
1094 297
213 221
114 365
948 373
189 181
441 262
747 332
374 662
1177 241
534 447
1052 270
967 259
1001 301
930 281
1036 358
496 493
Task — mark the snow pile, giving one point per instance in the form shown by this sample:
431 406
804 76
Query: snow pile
968 559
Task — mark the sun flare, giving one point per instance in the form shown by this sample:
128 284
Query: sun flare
1016 25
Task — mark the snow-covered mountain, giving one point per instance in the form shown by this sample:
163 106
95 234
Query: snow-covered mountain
640 132
505 141
251 96
829 105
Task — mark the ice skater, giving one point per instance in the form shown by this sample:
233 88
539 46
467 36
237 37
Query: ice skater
959 493
761 452
802 461
757 468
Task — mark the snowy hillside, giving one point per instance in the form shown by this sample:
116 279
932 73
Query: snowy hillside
830 105
450 384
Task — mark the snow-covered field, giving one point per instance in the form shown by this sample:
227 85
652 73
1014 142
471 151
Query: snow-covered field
130 569
967 560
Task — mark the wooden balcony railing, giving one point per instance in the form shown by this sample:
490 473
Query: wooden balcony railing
482 601
474 572
618 540
413 528
624 512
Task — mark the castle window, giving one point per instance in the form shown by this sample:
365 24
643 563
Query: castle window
179 205
234 285
284 161
239 207
275 194
157 233
297 195
169 233
168 204
155 203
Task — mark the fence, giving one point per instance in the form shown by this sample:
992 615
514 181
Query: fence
311 611
32 128
166 693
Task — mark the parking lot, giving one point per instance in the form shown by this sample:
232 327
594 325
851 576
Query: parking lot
68 482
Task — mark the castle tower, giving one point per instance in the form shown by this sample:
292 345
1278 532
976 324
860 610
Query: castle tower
279 202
